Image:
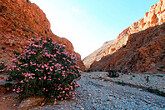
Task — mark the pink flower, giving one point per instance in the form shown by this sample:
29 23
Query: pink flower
13 90
42 104
44 77
71 87
66 88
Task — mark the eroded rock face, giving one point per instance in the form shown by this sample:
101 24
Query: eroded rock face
21 20
144 52
155 16
97 55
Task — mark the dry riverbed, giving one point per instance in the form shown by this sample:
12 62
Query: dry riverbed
98 92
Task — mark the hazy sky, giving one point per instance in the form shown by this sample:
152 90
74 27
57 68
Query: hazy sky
90 23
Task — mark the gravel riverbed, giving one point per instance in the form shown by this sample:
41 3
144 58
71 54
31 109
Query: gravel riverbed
96 93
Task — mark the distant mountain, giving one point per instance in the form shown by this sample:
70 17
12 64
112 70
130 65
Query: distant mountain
19 21
140 47
97 55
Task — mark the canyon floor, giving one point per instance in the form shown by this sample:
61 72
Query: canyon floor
99 92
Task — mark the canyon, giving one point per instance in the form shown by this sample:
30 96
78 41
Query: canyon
139 48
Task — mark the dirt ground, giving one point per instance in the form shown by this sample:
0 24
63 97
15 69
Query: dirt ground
8 101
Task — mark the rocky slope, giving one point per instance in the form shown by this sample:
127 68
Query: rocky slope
21 20
155 16
97 55
144 52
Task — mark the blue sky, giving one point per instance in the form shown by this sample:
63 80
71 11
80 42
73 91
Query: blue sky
90 23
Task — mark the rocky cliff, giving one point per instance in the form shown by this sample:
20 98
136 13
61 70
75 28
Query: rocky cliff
144 52
21 20
140 47
155 16
97 55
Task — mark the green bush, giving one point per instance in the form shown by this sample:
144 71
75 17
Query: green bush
16 52
113 73
45 70
3 48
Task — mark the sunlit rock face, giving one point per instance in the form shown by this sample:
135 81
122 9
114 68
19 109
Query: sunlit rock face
97 55
21 20
140 47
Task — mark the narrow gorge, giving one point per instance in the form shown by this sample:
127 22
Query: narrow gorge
140 41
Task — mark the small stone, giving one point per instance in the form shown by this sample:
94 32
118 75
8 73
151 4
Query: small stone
102 80
148 97
109 100
148 102
55 103
89 95
82 108
14 105
30 102
111 94
85 90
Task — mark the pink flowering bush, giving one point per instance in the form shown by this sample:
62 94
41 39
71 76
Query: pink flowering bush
45 70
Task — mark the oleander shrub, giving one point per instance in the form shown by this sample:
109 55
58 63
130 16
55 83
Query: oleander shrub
44 70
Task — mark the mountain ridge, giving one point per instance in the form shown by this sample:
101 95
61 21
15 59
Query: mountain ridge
155 16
